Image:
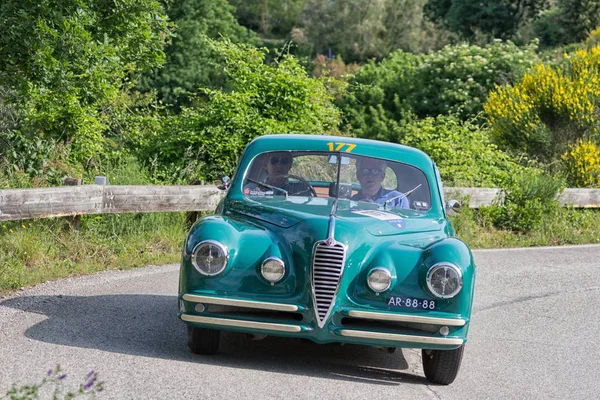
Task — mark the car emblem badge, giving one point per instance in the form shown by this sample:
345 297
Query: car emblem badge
330 241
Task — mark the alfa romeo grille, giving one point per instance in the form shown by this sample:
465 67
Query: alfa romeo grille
328 263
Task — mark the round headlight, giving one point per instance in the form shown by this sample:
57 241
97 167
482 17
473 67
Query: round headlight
444 280
379 279
209 257
272 269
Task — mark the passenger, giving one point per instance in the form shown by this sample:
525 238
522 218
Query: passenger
370 173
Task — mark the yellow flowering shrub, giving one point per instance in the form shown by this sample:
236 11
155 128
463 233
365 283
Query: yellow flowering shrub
549 107
593 39
582 164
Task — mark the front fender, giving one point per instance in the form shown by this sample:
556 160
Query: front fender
247 245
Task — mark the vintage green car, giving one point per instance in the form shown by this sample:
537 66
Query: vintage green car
332 239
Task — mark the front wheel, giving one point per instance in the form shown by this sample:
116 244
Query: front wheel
203 341
441 366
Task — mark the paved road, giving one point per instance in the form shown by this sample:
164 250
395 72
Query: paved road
534 335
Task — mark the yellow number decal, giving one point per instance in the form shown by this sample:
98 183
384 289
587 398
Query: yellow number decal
339 146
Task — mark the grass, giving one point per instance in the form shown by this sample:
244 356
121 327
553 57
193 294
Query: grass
566 226
35 251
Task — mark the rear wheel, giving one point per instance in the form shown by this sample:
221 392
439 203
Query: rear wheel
203 341
441 366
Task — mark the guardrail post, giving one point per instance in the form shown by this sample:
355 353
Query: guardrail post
192 216
75 220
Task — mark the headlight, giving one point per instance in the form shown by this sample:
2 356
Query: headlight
379 279
209 257
444 280
272 269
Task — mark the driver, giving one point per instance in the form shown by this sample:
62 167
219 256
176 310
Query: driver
278 165
370 173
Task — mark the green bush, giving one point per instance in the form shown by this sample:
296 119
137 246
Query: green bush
527 199
462 151
377 97
205 141
454 80
28 162
457 79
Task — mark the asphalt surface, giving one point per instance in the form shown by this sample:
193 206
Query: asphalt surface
534 335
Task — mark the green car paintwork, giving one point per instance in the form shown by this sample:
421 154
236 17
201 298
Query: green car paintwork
252 230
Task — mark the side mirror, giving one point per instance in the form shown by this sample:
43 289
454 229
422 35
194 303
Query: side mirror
452 207
224 183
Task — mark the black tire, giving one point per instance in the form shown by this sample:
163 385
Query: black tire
441 366
203 341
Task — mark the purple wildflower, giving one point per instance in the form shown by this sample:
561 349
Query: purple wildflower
50 372
89 375
62 376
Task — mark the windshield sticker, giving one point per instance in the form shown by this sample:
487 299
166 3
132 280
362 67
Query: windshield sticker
258 192
341 146
394 220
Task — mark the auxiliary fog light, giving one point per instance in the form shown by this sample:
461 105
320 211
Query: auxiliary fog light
444 331
199 307
379 279
273 269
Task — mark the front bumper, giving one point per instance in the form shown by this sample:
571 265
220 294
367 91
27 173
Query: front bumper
346 325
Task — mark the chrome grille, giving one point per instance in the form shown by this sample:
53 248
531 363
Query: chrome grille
328 263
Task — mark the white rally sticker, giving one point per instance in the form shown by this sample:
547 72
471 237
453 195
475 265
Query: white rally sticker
394 220
381 215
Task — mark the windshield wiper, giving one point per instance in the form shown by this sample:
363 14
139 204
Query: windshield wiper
401 195
269 186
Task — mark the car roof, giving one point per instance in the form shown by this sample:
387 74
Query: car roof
350 145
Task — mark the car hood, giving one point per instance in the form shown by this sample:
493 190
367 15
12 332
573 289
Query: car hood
373 218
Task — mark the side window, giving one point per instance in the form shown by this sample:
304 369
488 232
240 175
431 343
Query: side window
390 181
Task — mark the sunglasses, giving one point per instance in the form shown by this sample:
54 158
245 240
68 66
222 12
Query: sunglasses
282 160
370 171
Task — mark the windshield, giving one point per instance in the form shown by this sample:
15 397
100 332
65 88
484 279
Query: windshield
338 175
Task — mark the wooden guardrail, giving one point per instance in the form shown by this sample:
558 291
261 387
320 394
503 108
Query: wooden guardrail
578 198
64 201
16 204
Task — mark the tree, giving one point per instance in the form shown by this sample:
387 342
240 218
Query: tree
269 16
68 62
495 18
190 63
579 18
362 29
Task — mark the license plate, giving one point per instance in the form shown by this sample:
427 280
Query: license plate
411 302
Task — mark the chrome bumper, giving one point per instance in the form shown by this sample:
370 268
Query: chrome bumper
303 330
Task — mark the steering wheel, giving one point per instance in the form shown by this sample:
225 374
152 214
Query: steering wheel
309 188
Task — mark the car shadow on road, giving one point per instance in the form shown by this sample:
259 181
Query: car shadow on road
147 325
